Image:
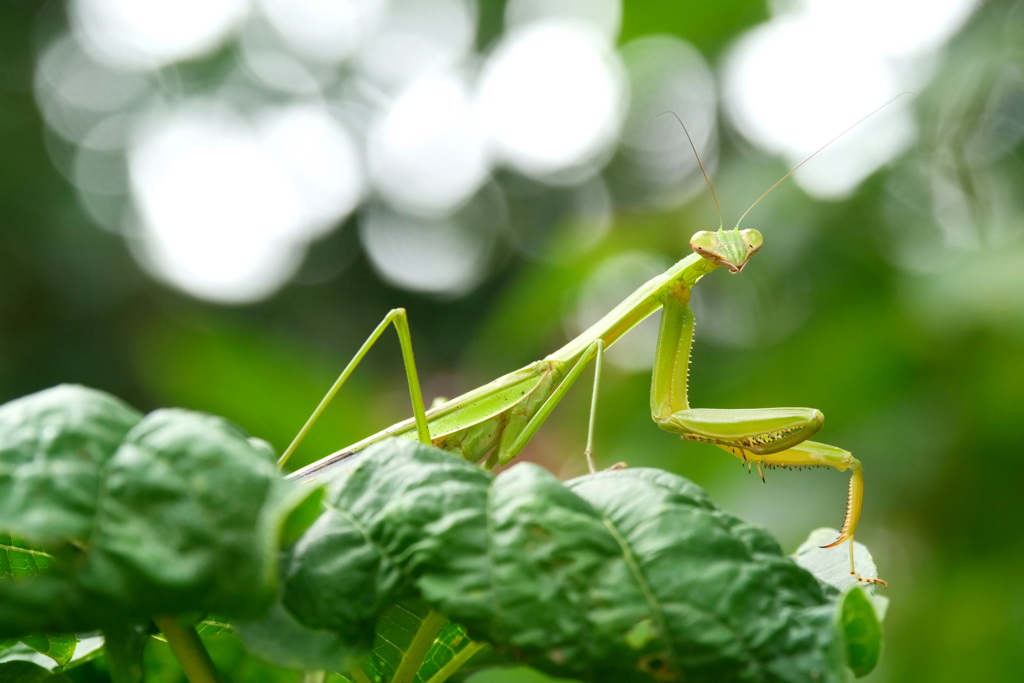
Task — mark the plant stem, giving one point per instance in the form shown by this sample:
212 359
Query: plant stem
456 662
189 650
359 677
313 677
418 648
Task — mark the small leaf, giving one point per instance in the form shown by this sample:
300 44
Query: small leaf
18 560
397 629
861 630
123 648
832 565
59 648
302 507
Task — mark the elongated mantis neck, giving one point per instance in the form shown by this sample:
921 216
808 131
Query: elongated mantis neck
637 306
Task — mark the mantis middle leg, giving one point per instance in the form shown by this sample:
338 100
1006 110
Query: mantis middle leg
523 425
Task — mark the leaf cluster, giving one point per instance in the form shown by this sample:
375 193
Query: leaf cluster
409 563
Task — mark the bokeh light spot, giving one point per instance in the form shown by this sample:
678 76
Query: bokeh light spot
604 16
320 159
218 215
551 96
418 37
326 31
793 83
427 154
75 92
150 34
445 256
771 99
656 168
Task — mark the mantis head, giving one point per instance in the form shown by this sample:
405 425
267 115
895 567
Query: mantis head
729 248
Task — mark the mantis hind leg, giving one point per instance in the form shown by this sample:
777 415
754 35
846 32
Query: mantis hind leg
396 317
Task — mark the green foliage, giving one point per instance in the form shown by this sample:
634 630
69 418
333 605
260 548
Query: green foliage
59 648
411 563
859 623
55 446
859 617
624 575
165 514
27 672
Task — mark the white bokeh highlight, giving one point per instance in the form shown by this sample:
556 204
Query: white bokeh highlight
792 105
427 154
415 38
551 96
326 106
324 31
223 213
146 35
607 286
76 92
796 81
666 75
443 256
911 27
321 161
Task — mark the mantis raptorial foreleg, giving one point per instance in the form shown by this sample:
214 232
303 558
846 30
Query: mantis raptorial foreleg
766 437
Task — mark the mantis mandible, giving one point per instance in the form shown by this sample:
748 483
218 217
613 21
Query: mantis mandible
493 423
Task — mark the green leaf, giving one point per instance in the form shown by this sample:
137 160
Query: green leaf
862 631
279 639
123 648
53 446
718 592
620 576
860 609
302 507
185 519
402 625
59 648
832 565
361 554
19 560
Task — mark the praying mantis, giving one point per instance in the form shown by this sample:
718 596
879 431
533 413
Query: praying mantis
493 423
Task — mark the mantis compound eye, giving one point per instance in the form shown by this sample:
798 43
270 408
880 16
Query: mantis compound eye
704 242
753 239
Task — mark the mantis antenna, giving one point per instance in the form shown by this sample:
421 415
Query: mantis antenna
700 163
815 153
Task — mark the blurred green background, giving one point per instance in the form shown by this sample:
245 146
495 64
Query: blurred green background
889 293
